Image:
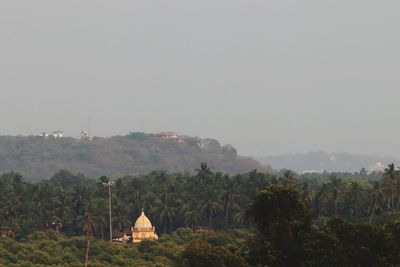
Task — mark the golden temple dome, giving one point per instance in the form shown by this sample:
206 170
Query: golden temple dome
143 221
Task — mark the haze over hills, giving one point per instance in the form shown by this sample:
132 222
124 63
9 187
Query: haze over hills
39 157
319 161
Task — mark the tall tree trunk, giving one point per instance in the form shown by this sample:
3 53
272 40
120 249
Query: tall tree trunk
227 217
170 225
87 252
392 202
397 205
373 210
336 208
356 206
320 211
388 211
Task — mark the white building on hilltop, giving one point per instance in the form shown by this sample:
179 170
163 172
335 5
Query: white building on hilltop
55 134
85 136
167 135
58 134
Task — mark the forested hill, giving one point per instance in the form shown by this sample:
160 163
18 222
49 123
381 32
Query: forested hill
318 161
39 157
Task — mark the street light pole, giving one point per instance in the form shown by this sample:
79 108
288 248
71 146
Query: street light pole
108 184
109 204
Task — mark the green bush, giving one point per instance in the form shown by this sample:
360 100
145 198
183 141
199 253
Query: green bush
69 258
38 236
201 254
6 256
40 257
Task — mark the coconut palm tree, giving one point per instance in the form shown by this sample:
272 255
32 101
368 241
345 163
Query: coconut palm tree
164 208
62 207
288 178
306 193
203 173
324 196
390 177
44 200
189 211
376 195
240 215
228 196
211 203
135 189
98 207
355 191
79 199
120 214
337 187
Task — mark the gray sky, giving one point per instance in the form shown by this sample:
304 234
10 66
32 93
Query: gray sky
269 77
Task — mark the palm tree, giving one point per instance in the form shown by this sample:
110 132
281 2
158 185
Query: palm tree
355 191
190 212
8 212
203 173
211 204
119 188
134 189
324 196
228 195
120 217
288 178
98 207
240 215
62 207
306 193
390 177
13 196
336 186
79 199
376 195
163 206
44 200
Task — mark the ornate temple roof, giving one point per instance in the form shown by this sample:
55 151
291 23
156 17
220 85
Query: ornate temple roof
142 221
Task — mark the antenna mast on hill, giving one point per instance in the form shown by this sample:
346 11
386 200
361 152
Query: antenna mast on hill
143 127
88 126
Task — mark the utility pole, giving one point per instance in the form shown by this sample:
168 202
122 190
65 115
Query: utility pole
109 184
89 232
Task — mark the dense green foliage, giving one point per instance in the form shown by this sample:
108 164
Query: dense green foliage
287 237
169 200
199 253
183 200
37 157
45 249
335 219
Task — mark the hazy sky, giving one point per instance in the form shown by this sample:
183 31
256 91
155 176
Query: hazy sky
269 77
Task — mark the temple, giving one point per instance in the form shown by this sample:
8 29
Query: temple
143 229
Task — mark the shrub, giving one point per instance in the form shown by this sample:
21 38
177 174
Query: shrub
201 254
